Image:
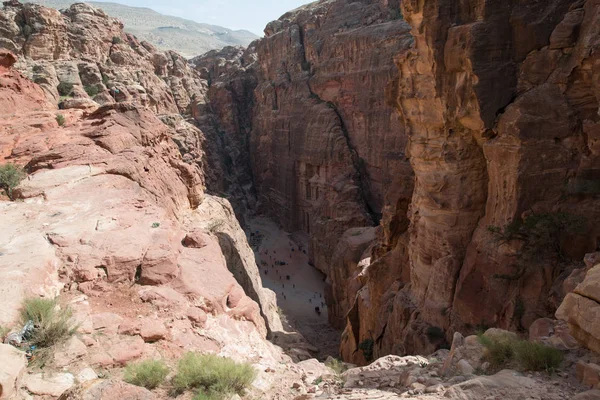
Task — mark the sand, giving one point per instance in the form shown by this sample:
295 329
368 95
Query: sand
297 296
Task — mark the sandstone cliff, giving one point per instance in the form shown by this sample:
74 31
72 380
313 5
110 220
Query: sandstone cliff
307 103
470 140
500 104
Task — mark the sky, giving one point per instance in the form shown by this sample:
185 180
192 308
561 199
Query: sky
252 15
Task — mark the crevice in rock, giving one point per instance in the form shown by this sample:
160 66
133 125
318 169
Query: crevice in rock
236 266
358 164
360 177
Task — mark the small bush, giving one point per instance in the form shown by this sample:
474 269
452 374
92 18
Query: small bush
534 356
540 236
117 40
52 325
91 90
529 356
213 375
60 119
336 365
499 352
156 224
10 177
105 80
367 348
65 88
208 396
149 374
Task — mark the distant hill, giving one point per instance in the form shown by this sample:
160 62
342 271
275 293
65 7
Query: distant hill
187 37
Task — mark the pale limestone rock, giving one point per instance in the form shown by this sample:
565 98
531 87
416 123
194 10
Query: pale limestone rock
12 367
48 384
86 375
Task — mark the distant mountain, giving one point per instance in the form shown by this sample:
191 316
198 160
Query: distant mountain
187 37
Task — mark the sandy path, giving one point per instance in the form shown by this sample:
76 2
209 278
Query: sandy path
297 296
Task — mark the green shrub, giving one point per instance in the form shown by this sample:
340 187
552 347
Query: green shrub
60 119
149 374
10 177
117 40
367 348
52 325
541 236
91 90
209 396
156 224
105 79
212 375
336 365
65 88
501 352
534 356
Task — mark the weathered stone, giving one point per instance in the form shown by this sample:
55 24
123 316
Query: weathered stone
591 375
109 390
12 368
153 330
86 375
72 351
581 310
48 384
464 368
589 395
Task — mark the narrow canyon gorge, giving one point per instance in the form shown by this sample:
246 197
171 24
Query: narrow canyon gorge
374 181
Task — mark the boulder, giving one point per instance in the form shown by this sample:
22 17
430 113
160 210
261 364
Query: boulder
86 375
7 59
153 330
581 310
108 390
12 367
107 323
48 384
73 350
589 395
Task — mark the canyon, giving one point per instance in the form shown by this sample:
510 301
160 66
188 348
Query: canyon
420 171
403 138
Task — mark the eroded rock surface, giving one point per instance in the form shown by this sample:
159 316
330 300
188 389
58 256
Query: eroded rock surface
500 107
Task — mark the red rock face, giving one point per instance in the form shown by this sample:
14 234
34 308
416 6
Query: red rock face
501 107
113 203
326 144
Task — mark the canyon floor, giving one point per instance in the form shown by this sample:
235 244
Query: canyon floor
285 268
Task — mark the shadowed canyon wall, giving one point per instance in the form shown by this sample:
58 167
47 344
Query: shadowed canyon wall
442 123
500 103
326 145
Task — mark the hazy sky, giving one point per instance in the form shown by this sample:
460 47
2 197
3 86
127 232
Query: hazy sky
252 15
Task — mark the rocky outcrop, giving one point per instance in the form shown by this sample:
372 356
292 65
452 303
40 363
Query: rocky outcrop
501 128
83 55
231 76
113 220
324 142
580 310
497 130
305 109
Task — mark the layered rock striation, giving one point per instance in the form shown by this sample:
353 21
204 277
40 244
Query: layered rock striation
470 141
500 103
311 106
